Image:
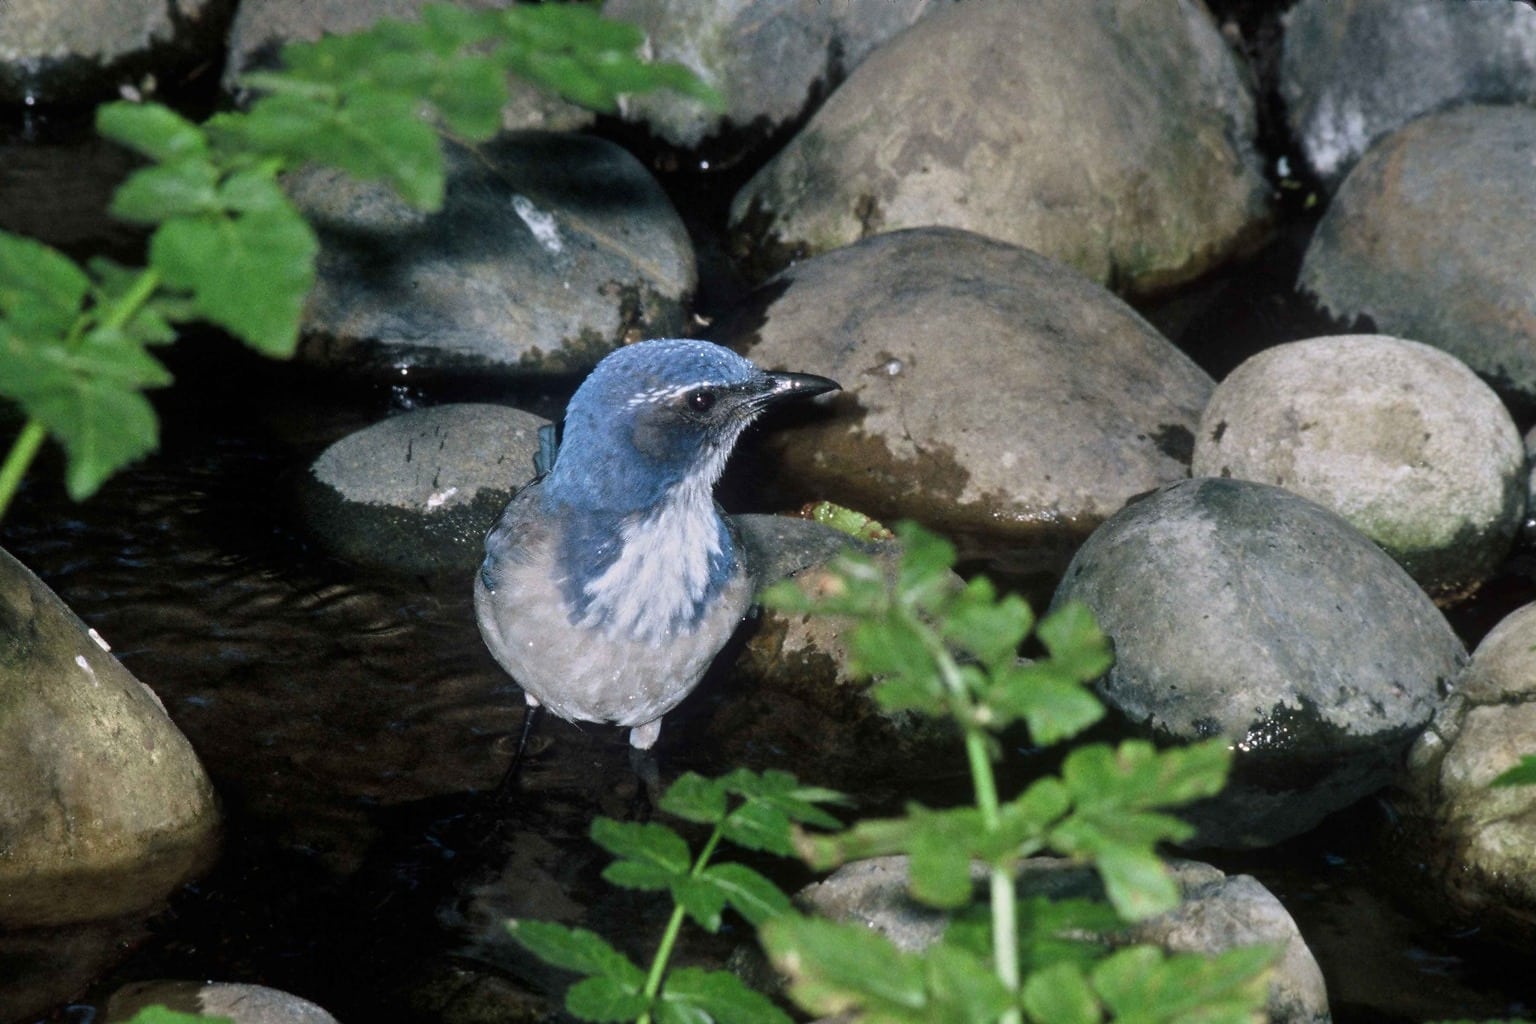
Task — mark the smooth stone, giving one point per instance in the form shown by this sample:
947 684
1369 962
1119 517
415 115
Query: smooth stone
1354 71
1479 843
1116 137
988 392
240 1003
551 250
768 59
1402 440
86 51
1244 611
104 807
262 27
1220 912
1427 239
418 492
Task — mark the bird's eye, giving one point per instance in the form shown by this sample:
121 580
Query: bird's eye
702 400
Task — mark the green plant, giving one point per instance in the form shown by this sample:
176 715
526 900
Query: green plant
753 811
228 246
944 649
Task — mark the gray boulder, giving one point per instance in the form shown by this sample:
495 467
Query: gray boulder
1479 843
550 251
1427 238
988 391
1219 912
766 58
1402 440
104 806
1116 137
1354 71
1244 611
240 1003
86 51
417 492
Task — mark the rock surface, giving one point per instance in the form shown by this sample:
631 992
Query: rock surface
1116 137
242 1004
1353 71
1402 440
550 251
768 59
104 807
1427 238
988 391
1220 912
1479 843
84 51
418 492
1241 610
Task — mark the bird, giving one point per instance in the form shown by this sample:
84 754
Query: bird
611 581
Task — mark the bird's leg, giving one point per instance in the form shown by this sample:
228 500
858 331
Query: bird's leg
530 719
643 763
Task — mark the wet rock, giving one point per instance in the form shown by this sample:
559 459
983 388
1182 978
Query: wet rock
262 27
1219 912
791 700
104 808
417 492
242 1004
1354 71
1242 610
1427 238
45 968
767 59
87 51
1477 843
1402 440
1115 137
988 391
550 251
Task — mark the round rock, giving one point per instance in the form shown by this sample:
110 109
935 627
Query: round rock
766 58
1242 610
1116 137
550 251
419 491
240 1003
104 807
988 391
1353 71
1479 842
1402 440
1428 238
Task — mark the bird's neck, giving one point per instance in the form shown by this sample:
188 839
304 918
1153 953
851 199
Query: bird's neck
649 574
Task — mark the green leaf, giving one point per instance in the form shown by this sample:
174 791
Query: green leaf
1137 882
1072 636
1053 704
645 843
886 647
717 996
978 622
700 899
158 1014
156 131
185 187
926 561
249 273
41 289
962 987
758 825
576 949
941 847
1060 994
1522 774
604 999
695 798
1057 931
1145 983
749 893
833 968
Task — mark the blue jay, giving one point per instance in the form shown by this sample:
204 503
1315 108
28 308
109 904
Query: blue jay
610 584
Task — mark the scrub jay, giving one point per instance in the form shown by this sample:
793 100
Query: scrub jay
611 583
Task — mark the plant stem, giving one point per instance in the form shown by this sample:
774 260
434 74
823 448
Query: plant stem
673 929
23 451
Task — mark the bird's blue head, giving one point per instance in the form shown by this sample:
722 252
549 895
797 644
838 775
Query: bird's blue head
657 415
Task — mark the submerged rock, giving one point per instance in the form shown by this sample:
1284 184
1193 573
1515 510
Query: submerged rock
1354 71
1428 238
550 251
104 807
1116 137
1478 842
1242 610
988 391
418 492
1400 439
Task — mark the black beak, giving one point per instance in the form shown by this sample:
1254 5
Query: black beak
783 386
